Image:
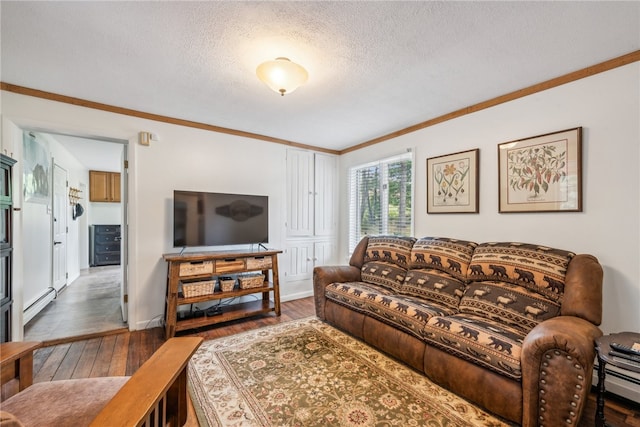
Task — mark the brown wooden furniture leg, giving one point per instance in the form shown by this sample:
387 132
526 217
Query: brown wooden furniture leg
600 420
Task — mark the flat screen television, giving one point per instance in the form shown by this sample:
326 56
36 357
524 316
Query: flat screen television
217 219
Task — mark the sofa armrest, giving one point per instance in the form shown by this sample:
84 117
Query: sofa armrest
159 385
325 275
583 289
16 364
557 368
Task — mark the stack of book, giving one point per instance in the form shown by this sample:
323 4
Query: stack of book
625 356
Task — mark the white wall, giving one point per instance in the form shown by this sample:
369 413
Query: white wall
37 243
184 158
104 213
607 106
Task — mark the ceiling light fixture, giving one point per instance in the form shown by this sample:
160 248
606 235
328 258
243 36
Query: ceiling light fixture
282 75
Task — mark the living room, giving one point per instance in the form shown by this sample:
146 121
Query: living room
605 104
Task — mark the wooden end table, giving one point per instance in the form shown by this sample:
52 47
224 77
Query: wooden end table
602 350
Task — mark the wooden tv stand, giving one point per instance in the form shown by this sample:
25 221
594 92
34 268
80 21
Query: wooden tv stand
205 267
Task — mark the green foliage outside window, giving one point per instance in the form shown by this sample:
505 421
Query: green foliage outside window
384 199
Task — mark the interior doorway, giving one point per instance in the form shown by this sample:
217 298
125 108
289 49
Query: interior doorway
89 299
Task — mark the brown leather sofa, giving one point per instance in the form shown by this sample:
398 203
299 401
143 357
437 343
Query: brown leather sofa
509 326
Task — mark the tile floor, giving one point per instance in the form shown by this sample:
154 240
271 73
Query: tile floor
89 305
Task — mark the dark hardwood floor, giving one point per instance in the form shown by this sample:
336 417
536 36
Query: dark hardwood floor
124 353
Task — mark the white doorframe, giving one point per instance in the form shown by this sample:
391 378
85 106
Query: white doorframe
124 233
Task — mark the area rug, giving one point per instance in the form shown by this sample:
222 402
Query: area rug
307 373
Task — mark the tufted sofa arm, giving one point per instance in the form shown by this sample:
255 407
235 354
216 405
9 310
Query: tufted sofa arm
323 276
557 364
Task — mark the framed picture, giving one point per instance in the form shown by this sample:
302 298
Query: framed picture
36 169
542 173
452 183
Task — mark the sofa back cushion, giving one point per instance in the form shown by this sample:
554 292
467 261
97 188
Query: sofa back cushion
509 304
537 268
386 260
450 256
519 284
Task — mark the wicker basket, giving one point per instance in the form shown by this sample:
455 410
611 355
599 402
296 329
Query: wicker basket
197 289
195 268
227 283
250 281
255 263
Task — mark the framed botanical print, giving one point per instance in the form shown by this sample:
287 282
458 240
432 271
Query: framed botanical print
542 173
453 183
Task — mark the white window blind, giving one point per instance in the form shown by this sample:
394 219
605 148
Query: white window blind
381 198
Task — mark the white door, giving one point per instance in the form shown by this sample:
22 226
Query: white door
324 253
299 193
298 260
59 219
124 236
326 189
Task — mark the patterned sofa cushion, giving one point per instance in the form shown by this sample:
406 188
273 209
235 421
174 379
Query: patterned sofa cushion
404 312
435 286
534 267
508 303
386 260
484 342
447 255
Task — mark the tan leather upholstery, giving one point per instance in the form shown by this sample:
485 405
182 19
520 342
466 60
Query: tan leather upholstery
557 364
323 276
583 289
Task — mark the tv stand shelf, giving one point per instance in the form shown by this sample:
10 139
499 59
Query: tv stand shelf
189 268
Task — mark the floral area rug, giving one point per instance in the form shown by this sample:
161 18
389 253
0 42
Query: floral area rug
307 373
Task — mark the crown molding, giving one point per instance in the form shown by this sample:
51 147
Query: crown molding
539 87
22 90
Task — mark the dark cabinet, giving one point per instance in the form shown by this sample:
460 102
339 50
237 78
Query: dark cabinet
6 246
104 245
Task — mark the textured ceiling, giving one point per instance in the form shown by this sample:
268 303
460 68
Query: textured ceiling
374 67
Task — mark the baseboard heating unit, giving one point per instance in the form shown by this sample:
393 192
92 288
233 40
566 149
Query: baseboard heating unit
36 307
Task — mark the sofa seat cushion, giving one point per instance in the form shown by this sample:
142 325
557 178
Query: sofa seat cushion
64 402
434 286
507 303
492 345
450 256
409 314
537 268
386 260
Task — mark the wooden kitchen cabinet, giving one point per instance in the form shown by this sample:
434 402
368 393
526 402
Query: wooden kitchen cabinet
104 186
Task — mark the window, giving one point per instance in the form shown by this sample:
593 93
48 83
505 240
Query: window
380 198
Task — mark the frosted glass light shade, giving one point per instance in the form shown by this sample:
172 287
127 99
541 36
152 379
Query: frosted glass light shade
282 75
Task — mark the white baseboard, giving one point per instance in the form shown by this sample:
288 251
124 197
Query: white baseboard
38 306
156 322
297 295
